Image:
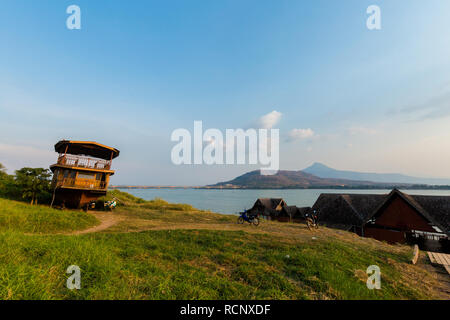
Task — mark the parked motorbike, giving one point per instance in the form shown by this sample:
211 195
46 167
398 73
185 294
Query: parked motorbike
252 219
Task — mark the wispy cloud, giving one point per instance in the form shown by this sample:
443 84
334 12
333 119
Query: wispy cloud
269 120
433 108
300 134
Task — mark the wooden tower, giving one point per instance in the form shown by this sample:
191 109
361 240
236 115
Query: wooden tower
82 172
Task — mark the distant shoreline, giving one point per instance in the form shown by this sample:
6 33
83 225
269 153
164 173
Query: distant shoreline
387 187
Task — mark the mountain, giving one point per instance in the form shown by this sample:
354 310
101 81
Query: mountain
293 179
322 171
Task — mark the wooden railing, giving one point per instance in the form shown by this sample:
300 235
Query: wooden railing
81 183
83 162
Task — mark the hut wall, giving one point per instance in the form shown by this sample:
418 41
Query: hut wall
390 236
400 215
281 219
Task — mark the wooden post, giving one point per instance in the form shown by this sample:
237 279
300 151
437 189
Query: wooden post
110 160
415 254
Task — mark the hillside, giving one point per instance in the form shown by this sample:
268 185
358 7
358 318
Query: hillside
322 171
293 179
158 250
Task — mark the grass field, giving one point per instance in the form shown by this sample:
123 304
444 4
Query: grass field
158 250
21 217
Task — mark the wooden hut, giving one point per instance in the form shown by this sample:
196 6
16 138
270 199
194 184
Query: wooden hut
401 217
393 217
293 214
267 207
81 173
346 211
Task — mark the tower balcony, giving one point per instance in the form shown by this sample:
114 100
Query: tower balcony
83 162
86 184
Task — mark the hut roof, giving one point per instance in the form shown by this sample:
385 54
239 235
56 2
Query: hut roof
270 203
304 210
364 204
268 206
344 211
88 148
295 212
291 211
436 209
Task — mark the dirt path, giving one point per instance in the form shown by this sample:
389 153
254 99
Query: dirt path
107 220
140 225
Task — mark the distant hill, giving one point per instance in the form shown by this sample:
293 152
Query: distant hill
293 179
322 171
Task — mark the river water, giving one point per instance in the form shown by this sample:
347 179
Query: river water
233 201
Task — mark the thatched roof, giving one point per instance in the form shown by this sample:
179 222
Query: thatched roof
438 209
304 210
268 206
270 203
290 210
435 209
344 211
295 212
364 204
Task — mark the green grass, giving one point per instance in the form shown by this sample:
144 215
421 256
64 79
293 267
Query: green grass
163 211
126 199
194 264
191 265
19 216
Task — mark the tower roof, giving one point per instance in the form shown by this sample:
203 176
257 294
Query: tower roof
87 148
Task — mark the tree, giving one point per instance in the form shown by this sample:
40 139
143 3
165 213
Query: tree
7 183
33 183
2 179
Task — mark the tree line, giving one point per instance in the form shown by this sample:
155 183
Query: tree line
27 184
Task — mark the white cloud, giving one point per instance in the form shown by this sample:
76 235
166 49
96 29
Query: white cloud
300 134
269 120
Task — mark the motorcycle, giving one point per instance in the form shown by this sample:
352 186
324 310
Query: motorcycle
111 204
250 219
311 221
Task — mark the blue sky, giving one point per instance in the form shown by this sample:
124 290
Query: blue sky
375 101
